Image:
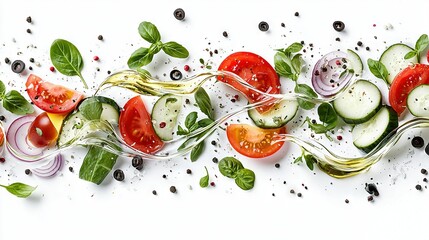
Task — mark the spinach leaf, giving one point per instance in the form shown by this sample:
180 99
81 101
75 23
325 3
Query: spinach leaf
175 50
327 113
149 32
20 190
91 109
245 179
139 58
229 167
307 91
378 69
191 119
204 102
66 59
15 103
197 151
97 164
204 181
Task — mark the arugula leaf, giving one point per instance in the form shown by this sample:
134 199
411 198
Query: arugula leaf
204 181
378 69
191 119
196 151
66 59
204 102
15 103
91 109
139 58
97 164
175 50
307 91
20 190
229 167
2 90
149 32
245 179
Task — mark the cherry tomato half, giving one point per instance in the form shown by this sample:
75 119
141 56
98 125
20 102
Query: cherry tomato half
42 132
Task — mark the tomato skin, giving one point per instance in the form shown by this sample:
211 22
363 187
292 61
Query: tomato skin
256 71
50 97
136 127
406 81
244 137
42 132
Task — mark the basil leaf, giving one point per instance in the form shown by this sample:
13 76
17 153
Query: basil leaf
229 167
155 47
149 32
139 58
298 160
378 69
191 119
205 122
97 164
204 181
422 43
281 67
184 144
66 59
196 151
327 113
2 90
15 103
194 127
310 160
20 190
181 131
91 109
410 54
175 50
297 64
294 48
307 91
316 127
204 103
245 179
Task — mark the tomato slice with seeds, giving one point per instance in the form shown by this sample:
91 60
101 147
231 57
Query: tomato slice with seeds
404 82
136 127
256 71
50 97
252 141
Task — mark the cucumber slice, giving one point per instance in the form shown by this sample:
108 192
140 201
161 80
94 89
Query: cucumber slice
367 135
418 101
280 114
394 61
164 115
75 120
356 62
360 103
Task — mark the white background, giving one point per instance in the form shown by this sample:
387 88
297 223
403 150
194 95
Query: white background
66 207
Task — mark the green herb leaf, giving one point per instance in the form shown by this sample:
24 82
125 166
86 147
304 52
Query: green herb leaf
149 32
422 43
143 72
193 127
229 167
378 69
327 113
170 100
410 54
139 58
208 67
66 59
281 67
204 102
308 92
297 64
2 90
181 131
97 164
185 143
20 190
310 161
91 108
155 47
204 181
191 119
196 151
316 127
15 103
175 50
294 48
245 179
205 122
201 61
298 160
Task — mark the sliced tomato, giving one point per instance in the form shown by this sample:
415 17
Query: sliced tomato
404 82
42 132
50 97
256 71
252 141
136 127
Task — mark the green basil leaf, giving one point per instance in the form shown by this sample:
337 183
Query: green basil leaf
181 131
281 67
20 190
204 181
143 72
229 167
196 151
378 69
194 127
2 90
310 161
245 179
297 64
97 164
139 58
308 92
316 127
205 122
298 160
175 50
201 61
410 54
327 113
155 48
294 48
149 32
204 102
184 144
191 119
422 43
91 109
15 103
66 59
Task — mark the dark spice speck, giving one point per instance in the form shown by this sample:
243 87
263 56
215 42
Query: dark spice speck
173 189
419 187
29 20
27 171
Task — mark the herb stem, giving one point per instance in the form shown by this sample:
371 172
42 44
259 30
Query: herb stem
83 80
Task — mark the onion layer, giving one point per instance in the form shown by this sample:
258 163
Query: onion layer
51 168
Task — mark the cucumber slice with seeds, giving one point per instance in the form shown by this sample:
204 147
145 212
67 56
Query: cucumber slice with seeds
355 62
394 61
418 101
280 114
164 115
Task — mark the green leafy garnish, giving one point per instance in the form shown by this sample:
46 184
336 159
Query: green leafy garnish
97 164
204 102
245 179
378 69
308 92
66 59
14 102
205 64
327 116
232 168
197 151
286 63
20 190
91 108
143 56
420 46
191 119
204 181
310 160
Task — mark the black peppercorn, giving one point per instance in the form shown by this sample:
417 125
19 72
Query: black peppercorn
417 142
118 175
179 14
188 171
347 201
225 34
292 191
28 30
7 60
263 26
100 37
372 189
137 162
173 189
154 192
213 143
215 160
339 26
277 165
27 171
424 171
32 60
296 14
359 44
299 194
71 169
370 198
2 118
419 187
29 20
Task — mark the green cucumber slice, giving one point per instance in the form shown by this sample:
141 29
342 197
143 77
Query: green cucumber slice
164 115
280 114
394 61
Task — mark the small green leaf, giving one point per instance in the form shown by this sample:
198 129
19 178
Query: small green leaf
308 92
97 164
422 43
281 67
245 179
185 143
204 102
202 61
310 161
327 113
298 160
294 48
410 54
316 127
196 151
139 58
15 103
229 167
194 127
208 67
175 50
20 190
91 108
191 119
181 131
2 90
378 69
149 32
204 181
297 64
205 122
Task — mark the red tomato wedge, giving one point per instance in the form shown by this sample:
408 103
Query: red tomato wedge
252 141
50 97
406 81
136 127
256 71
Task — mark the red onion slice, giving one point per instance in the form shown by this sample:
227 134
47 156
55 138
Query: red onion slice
51 168
330 73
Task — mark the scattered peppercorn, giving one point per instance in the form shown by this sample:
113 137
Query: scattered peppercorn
425 180
371 188
7 60
263 26
29 20
339 26
173 189
2 160
292 191
417 142
188 171
299 194
212 184
215 160
424 171
71 169
370 198
176 75
179 14
100 37
164 176
2 118
18 66
283 25
32 60
154 192
347 201
338 39
419 187
137 162
296 14
119 175
367 48
277 165
339 138
96 58
225 34
28 30
186 68
52 69
359 44
27 171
